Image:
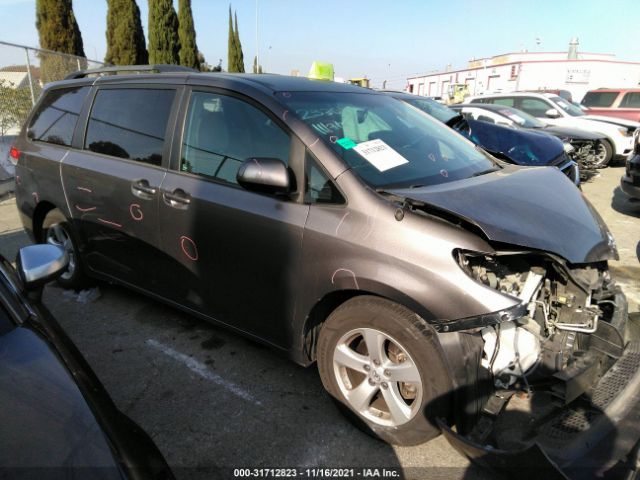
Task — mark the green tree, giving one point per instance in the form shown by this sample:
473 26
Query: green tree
125 38
256 68
15 104
232 51
240 55
187 34
164 42
58 31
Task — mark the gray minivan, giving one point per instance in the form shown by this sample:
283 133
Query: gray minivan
433 285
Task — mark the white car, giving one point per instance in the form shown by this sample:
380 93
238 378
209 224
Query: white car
557 111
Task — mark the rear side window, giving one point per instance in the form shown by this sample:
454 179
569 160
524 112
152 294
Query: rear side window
130 123
631 100
534 106
56 117
599 99
507 102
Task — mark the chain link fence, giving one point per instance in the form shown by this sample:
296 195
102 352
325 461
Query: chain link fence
23 73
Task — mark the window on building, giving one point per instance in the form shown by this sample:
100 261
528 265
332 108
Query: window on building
411 88
57 115
130 123
222 132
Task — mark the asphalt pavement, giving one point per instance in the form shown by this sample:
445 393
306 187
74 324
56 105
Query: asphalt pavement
214 401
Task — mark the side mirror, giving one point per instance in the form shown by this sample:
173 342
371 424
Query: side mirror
552 113
39 264
267 175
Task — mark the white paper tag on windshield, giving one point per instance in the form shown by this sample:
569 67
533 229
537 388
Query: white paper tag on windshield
380 155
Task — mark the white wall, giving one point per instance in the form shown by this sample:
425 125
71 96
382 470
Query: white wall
576 76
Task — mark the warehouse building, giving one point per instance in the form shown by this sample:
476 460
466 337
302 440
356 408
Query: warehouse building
577 72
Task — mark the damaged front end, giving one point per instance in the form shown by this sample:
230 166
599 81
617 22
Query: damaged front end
556 389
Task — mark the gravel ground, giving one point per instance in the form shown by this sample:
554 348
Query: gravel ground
212 399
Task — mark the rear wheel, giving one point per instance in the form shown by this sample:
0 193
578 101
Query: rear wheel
603 155
382 363
56 230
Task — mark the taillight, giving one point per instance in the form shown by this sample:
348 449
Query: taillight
14 155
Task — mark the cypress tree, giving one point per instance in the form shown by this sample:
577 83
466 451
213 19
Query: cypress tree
187 34
58 31
57 27
125 38
164 43
240 55
232 52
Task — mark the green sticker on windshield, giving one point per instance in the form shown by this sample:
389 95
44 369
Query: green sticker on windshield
346 143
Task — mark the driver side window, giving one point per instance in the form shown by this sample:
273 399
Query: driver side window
222 131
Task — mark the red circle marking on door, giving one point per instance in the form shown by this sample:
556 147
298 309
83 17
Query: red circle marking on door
136 212
189 248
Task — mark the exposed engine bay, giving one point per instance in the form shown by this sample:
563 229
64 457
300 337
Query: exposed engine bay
560 305
554 371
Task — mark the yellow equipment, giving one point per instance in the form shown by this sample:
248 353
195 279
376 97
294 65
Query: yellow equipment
321 71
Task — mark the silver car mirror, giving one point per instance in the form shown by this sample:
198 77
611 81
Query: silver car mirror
39 264
552 113
268 175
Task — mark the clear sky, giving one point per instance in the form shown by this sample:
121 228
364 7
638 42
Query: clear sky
382 39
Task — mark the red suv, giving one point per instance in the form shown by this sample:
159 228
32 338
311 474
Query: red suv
614 102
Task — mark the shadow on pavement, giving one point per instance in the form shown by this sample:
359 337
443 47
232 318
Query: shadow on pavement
624 204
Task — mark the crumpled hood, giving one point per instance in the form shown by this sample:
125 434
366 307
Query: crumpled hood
537 208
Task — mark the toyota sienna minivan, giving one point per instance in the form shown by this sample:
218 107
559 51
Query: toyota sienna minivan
437 289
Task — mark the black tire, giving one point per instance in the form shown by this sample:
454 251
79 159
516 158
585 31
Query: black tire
415 338
604 154
56 229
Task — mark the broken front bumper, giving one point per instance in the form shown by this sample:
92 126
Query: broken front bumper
594 438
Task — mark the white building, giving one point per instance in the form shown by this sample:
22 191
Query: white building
574 71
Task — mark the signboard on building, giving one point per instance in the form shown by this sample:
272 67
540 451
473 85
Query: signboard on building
578 75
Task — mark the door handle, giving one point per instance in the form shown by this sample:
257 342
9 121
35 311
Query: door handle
142 189
177 199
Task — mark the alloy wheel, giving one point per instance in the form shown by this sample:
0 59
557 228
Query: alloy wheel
57 235
377 377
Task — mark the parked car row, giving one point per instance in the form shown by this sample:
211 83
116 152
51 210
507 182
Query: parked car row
618 133
517 147
438 288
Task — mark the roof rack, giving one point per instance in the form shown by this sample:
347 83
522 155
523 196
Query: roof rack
130 69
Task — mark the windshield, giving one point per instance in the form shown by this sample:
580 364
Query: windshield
388 143
521 118
570 108
431 107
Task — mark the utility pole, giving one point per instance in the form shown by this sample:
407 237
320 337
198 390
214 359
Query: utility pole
257 44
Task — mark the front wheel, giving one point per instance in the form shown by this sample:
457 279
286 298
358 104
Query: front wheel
56 230
383 364
603 154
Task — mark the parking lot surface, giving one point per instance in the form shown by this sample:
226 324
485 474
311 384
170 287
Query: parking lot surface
214 401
